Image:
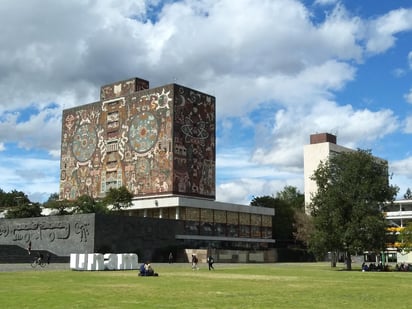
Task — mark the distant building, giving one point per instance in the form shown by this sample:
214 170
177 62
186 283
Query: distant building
399 214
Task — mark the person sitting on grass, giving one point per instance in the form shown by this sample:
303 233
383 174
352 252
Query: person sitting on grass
142 270
146 269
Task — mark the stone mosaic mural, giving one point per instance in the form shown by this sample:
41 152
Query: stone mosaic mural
153 141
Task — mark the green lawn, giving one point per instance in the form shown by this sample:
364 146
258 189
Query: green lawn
311 285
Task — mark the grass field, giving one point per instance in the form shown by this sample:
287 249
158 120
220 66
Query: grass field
312 285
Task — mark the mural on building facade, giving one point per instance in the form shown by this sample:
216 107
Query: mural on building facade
153 141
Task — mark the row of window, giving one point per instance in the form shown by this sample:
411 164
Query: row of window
208 215
227 230
218 223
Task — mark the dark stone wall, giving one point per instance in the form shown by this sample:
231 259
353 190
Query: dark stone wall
150 238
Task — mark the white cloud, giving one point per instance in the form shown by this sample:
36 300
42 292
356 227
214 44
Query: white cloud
410 59
408 125
236 163
249 54
32 176
398 72
408 96
402 167
41 130
104 45
243 190
382 31
251 178
325 2
283 145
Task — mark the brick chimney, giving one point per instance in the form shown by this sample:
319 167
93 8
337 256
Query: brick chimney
322 138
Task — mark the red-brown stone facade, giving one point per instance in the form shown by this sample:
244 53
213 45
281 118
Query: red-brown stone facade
153 141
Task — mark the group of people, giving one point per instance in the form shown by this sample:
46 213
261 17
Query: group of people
374 267
146 269
195 261
381 267
403 267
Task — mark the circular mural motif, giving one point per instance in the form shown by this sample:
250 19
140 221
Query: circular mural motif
143 131
84 142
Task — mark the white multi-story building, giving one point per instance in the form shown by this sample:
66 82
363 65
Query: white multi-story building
399 214
321 146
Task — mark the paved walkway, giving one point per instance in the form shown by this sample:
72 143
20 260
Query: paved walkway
27 267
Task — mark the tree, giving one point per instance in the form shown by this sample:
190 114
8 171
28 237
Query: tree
303 227
63 207
13 199
18 205
408 194
405 238
25 210
292 197
282 222
347 209
118 198
87 204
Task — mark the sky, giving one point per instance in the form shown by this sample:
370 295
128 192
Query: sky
280 70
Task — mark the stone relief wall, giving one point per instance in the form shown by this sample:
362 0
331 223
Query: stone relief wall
92 233
60 235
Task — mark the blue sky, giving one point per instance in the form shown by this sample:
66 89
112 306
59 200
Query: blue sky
280 70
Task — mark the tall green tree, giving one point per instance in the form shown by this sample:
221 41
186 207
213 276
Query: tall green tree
118 199
62 207
347 210
408 194
293 197
87 204
12 199
25 210
304 227
405 238
286 203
